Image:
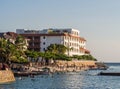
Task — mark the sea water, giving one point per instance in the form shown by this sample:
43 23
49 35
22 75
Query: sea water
72 80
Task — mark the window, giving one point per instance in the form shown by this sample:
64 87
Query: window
43 37
44 49
44 43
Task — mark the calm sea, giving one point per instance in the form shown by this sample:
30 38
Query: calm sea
81 80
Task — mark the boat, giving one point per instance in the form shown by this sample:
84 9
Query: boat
109 73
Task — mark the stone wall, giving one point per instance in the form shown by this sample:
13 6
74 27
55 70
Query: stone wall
6 76
73 65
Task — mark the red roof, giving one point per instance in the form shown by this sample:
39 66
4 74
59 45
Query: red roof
85 50
12 35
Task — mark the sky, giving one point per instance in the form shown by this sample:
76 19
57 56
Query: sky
97 20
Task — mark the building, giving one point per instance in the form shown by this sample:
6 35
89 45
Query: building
39 40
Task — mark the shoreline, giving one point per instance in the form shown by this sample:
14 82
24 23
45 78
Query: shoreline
59 66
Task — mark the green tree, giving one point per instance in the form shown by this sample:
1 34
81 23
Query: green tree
33 55
21 47
21 43
84 57
12 52
62 57
3 45
57 48
7 50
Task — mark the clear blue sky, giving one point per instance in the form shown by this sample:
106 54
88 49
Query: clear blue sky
97 20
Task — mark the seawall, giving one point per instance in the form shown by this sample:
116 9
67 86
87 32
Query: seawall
6 76
72 65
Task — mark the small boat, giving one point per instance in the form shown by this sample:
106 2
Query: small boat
109 73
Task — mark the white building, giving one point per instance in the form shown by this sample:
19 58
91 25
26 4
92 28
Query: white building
68 37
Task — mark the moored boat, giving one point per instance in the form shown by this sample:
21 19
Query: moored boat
109 73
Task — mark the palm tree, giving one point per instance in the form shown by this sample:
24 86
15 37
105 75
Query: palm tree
10 52
7 50
61 48
3 44
57 51
57 48
52 48
20 44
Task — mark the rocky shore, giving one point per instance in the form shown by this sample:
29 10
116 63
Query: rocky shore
72 66
58 66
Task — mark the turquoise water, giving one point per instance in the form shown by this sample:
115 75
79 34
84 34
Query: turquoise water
71 80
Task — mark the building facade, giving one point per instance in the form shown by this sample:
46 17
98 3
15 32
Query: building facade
39 40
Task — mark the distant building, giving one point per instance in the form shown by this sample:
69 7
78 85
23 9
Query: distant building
39 40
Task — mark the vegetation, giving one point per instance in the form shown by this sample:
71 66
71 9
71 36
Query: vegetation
84 57
58 52
63 57
56 48
12 52
16 52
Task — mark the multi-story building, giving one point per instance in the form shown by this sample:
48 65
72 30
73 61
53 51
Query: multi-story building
39 40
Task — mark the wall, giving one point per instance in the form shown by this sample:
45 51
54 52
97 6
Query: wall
73 65
50 40
6 76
